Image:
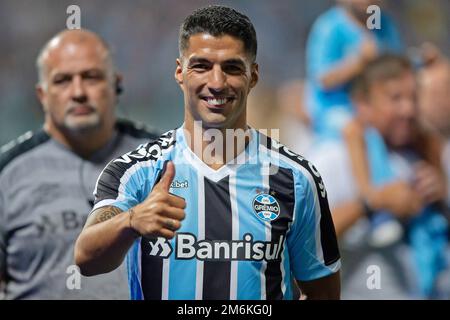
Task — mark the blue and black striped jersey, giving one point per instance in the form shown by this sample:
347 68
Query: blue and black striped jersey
250 227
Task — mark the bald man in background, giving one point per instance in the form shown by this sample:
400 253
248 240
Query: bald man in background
47 177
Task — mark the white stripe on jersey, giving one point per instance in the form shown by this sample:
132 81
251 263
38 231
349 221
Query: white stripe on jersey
235 233
165 279
283 271
139 264
201 234
268 228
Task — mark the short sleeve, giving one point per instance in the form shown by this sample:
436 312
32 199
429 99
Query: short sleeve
127 180
312 240
123 184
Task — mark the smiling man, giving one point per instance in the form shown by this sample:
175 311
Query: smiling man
240 222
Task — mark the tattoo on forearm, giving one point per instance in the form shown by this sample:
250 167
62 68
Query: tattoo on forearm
107 213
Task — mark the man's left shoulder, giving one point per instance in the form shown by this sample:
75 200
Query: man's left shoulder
278 152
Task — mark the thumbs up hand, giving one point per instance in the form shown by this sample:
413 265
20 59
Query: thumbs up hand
160 215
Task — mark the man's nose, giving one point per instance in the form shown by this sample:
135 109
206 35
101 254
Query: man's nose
78 90
217 81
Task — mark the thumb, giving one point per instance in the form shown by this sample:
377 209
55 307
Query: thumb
167 176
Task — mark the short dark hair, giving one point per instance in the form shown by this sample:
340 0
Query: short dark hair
218 21
385 67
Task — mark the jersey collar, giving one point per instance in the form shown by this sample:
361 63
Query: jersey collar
249 155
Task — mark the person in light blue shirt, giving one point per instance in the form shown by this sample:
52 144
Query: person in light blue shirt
339 46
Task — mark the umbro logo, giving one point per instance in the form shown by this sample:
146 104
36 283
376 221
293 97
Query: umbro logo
160 247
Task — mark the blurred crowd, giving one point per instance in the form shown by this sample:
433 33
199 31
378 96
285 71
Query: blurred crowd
143 37
374 118
368 107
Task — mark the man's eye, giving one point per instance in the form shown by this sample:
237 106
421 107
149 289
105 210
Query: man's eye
199 66
233 69
93 76
61 80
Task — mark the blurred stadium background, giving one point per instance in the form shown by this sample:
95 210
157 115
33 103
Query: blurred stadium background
143 35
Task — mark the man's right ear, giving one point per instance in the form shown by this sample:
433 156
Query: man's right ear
40 93
179 72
